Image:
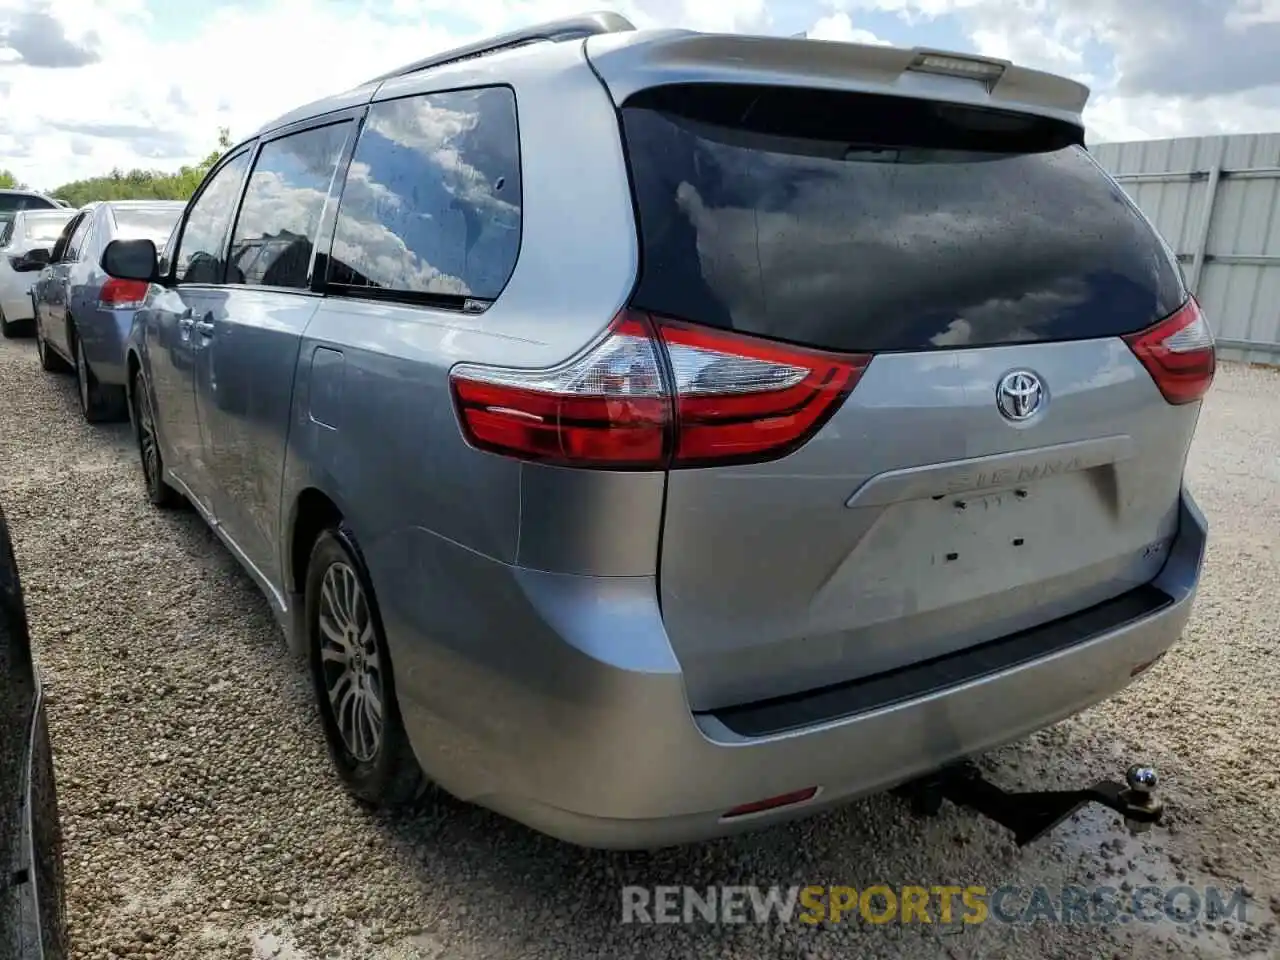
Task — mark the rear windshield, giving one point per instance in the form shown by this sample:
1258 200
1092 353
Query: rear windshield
24 201
146 223
878 223
45 229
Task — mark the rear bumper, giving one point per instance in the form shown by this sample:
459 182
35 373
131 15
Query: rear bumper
17 307
563 707
104 334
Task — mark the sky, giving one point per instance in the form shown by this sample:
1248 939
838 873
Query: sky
87 85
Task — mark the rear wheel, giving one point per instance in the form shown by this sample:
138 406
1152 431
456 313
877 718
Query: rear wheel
99 402
353 679
144 426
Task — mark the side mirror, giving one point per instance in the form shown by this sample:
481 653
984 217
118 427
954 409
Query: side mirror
131 260
31 261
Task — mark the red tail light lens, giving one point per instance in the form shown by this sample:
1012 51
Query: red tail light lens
739 398
1179 353
655 393
122 294
607 407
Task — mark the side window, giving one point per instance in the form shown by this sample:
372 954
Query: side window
431 205
75 244
166 252
280 215
200 248
59 250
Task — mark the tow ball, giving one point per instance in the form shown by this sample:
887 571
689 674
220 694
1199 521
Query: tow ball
1032 814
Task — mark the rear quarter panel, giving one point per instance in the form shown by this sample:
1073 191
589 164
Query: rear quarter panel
373 423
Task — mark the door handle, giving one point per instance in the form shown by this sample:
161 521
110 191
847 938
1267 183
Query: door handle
204 328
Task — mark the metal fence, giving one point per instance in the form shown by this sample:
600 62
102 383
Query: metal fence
1216 200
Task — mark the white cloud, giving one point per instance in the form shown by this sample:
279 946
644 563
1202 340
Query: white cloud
143 97
1190 68
838 26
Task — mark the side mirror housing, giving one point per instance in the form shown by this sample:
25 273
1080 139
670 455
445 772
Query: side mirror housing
31 261
131 260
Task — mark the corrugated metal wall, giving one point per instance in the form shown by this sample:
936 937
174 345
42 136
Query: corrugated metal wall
1217 202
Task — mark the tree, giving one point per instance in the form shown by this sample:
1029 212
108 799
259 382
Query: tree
9 182
140 184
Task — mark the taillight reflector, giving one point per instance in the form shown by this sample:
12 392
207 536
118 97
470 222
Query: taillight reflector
656 393
122 294
772 803
1179 353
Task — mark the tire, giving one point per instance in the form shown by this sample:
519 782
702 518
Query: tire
50 362
12 329
99 402
149 456
48 845
373 759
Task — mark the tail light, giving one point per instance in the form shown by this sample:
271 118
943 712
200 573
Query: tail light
1179 353
122 294
656 393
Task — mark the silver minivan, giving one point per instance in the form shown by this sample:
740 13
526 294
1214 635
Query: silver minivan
651 435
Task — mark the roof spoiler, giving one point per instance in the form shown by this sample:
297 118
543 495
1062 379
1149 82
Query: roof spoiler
632 62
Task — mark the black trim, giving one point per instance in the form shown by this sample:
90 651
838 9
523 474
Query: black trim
838 702
319 278
415 298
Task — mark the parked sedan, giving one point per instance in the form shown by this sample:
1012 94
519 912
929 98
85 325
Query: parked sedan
82 316
25 242
32 909
14 200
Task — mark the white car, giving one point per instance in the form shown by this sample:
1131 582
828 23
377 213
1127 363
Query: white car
27 231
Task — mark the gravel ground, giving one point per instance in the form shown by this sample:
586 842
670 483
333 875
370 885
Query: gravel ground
202 819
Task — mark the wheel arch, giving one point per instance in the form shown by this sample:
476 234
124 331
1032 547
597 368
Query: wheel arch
312 512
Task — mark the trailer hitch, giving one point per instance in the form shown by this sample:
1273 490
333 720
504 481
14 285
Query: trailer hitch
1032 814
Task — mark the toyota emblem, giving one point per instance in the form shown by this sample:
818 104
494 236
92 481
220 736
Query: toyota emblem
1019 395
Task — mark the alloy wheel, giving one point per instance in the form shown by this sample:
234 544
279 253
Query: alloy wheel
147 446
351 662
82 377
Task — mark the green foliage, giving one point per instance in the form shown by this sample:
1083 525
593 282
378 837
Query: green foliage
8 181
143 184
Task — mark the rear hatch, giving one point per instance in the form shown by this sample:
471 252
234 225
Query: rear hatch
1004 456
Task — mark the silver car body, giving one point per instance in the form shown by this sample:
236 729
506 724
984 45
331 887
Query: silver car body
622 657
30 230
68 295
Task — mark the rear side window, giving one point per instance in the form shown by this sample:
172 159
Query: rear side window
146 223
431 206
878 223
280 216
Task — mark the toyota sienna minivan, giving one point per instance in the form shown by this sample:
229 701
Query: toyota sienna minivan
650 434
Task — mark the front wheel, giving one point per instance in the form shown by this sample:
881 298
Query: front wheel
353 679
144 427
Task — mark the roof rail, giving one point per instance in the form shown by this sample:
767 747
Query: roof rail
568 28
